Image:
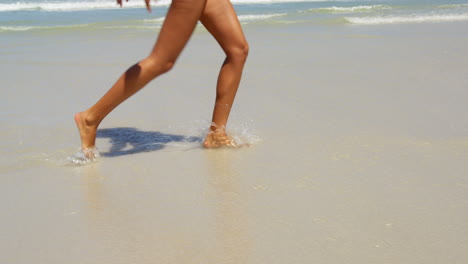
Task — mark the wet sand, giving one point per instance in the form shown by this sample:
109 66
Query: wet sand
359 150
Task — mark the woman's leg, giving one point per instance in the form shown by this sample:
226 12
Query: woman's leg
181 19
221 21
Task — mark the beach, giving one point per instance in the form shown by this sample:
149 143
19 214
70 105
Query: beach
358 149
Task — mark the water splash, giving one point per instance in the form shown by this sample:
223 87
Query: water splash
244 134
241 130
85 156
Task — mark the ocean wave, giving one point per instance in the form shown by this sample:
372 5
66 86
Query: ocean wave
111 4
32 28
352 9
71 6
29 28
406 19
453 6
158 20
143 27
51 6
17 28
244 18
76 27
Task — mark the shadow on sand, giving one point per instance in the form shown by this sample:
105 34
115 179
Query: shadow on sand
129 140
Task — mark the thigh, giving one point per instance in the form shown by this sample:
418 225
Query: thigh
178 26
220 19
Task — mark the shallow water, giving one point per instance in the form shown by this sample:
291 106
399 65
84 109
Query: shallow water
85 156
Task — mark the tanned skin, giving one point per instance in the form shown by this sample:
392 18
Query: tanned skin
220 19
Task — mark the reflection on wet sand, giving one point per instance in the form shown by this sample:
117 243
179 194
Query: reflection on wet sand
195 220
229 201
92 181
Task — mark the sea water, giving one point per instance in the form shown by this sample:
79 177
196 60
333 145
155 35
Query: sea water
40 15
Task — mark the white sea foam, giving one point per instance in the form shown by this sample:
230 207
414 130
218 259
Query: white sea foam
337 9
17 28
154 27
406 19
259 17
155 20
71 6
453 6
28 28
149 26
111 4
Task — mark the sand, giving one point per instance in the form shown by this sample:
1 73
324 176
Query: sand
359 150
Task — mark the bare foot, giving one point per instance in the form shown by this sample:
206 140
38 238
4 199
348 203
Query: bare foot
87 131
218 139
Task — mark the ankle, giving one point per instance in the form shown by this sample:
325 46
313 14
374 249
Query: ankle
89 119
217 129
217 132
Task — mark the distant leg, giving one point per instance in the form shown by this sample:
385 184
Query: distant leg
221 21
181 19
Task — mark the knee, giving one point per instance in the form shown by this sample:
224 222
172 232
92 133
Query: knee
167 66
239 52
157 66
